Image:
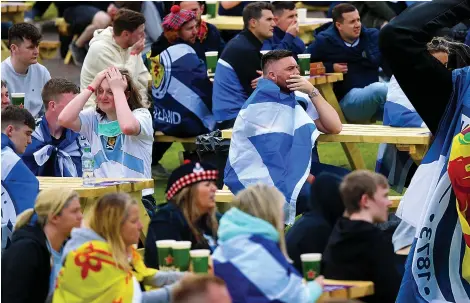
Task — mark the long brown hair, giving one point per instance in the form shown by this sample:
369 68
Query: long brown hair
134 100
185 199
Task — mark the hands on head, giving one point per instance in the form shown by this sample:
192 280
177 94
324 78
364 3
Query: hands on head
116 80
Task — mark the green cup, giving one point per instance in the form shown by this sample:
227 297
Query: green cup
17 99
211 8
304 63
181 255
211 61
200 260
310 266
165 254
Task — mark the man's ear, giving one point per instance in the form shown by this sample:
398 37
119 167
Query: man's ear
13 48
253 22
9 130
364 202
276 19
271 76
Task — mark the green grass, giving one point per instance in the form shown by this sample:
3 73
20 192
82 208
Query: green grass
330 153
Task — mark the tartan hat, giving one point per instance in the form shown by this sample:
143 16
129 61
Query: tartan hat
188 174
177 17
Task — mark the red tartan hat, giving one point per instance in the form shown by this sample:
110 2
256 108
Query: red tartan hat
188 174
177 17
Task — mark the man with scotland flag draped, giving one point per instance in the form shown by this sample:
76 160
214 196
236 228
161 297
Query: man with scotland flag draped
19 186
55 151
273 135
437 201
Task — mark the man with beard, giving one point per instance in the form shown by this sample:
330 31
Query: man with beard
181 89
208 36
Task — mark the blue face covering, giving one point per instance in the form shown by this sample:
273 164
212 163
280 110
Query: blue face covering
109 129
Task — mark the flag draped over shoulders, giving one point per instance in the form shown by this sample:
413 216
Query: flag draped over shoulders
437 203
271 143
181 92
19 189
68 152
90 274
398 112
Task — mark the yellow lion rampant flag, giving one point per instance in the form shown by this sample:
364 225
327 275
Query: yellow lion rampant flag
91 275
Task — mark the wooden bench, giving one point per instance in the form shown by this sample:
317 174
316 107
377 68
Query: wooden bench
226 196
89 195
14 11
415 141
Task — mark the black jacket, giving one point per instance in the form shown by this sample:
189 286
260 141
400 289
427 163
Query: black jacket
243 54
26 267
422 77
311 232
358 250
169 223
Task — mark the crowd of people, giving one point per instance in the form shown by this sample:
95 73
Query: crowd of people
145 68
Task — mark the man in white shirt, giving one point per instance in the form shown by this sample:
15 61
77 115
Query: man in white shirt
21 71
118 46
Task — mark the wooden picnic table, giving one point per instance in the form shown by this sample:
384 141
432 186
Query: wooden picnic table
339 289
236 23
414 140
226 196
14 11
89 195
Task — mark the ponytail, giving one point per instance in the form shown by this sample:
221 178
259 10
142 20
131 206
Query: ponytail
24 218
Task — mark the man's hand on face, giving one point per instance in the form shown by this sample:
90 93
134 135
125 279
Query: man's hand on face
299 83
293 28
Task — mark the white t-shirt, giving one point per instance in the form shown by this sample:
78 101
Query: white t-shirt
31 84
121 156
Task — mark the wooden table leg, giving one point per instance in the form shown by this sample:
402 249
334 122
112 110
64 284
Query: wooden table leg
350 149
144 216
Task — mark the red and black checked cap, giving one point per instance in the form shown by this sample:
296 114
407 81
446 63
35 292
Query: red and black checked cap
177 17
188 174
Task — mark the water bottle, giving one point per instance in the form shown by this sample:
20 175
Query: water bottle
87 167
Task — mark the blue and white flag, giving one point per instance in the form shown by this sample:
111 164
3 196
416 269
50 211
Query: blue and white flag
398 112
271 143
19 188
182 93
68 162
437 203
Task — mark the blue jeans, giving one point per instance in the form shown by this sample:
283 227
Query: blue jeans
361 105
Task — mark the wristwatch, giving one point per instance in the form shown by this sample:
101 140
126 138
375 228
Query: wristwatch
314 93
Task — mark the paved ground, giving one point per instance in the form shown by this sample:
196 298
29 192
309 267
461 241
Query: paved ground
56 66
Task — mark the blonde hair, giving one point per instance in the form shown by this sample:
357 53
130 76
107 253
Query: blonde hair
264 202
106 219
49 202
185 199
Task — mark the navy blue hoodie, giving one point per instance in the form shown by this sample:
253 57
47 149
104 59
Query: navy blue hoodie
363 60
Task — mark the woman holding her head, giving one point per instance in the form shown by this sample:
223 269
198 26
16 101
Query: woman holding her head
119 130
33 260
252 257
190 214
101 263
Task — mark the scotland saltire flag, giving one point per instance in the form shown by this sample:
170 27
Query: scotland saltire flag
68 153
398 112
437 203
182 93
19 188
272 142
